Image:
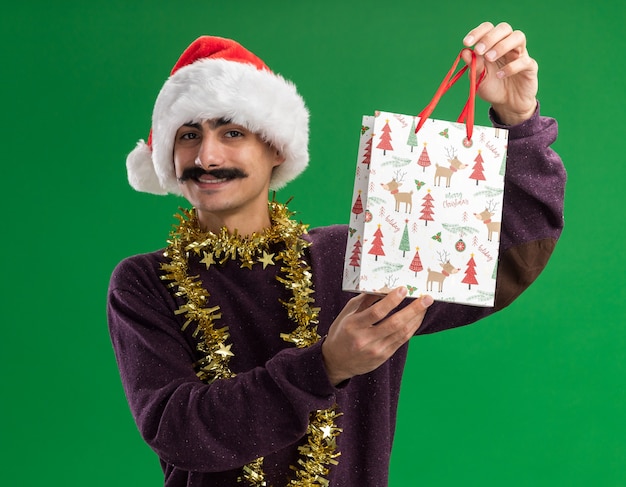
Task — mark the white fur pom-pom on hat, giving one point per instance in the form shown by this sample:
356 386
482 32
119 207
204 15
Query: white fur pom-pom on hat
218 78
141 173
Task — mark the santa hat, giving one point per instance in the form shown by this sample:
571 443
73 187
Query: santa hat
218 78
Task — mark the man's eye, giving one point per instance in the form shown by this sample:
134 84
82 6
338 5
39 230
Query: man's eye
233 133
189 136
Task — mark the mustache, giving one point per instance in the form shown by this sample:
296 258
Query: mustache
221 173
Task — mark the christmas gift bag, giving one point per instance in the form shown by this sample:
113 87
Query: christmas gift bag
427 204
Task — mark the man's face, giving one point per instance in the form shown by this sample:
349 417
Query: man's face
223 169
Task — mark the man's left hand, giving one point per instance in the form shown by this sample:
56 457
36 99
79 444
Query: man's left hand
510 85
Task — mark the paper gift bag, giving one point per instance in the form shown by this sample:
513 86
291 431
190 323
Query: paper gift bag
427 204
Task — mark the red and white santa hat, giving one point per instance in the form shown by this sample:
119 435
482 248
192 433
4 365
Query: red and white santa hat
218 78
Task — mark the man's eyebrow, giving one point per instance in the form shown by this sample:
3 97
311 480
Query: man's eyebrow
219 122
193 125
212 123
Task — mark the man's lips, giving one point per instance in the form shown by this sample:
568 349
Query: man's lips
214 176
207 179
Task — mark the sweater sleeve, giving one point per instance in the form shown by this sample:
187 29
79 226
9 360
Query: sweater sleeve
189 424
532 220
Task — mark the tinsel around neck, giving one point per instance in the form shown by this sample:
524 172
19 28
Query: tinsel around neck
225 245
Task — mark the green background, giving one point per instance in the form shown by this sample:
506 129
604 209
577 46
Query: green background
534 396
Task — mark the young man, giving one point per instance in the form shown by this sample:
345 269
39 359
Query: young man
219 337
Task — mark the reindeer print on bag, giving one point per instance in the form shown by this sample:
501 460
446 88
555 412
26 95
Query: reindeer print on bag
406 197
446 270
485 217
447 172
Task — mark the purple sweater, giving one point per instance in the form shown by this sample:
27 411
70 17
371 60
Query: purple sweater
203 434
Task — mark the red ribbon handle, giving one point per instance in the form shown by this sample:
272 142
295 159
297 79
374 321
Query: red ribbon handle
467 115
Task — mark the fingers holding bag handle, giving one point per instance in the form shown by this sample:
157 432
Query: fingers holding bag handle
511 82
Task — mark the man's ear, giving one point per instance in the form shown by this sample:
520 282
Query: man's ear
278 158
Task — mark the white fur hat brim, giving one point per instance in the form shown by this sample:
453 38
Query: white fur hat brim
263 102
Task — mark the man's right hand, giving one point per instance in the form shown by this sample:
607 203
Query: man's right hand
367 332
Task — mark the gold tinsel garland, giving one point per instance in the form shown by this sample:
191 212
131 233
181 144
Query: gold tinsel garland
320 449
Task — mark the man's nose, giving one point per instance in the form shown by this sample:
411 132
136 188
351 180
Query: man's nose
210 153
